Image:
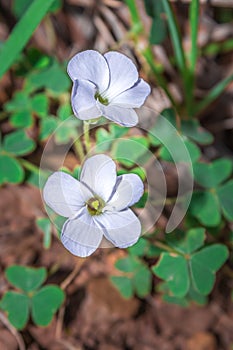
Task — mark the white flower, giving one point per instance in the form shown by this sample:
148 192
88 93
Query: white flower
106 86
97 205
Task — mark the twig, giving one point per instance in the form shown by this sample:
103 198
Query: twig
72 275
64 285
13 331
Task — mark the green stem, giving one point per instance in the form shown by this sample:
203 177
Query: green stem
78 148
136 20
164 246
86 131
29 166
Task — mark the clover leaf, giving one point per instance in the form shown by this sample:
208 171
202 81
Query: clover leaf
213 174
210 214
52 77
23 106
130 151
225 197
204 264
25 278
18 143
17 307
42 302
189 266
104 138
189 128
64 126
45 303
10 170
217 198
136 277
174 270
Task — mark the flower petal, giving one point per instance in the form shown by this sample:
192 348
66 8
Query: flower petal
129 189
99 174
133 97
83 100
81 235
121 228
90 65
64 194
120 115
123 74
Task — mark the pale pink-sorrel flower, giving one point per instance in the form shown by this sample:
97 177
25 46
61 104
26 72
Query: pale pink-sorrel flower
96 206
106 85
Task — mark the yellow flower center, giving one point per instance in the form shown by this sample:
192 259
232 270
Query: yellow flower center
101 99
95 206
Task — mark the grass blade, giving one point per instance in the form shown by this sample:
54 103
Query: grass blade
22 33
213 94
175 36
194 15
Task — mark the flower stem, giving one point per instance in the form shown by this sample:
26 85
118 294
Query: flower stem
78 148
86 132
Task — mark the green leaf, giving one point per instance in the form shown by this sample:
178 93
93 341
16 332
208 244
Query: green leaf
139 248
144 248
186 242
183 302
129 151
10 170
142 281
27 279
21 119
53 78
19 102
22 33
47 127
211 175
18 143
64 112
193 130
67 131
194 15
45 225
104 139
225 196
198 298
19 6
45 304
158 31
39 104
178 153
173 269
205 207
204 264
128 264
17 307
124 285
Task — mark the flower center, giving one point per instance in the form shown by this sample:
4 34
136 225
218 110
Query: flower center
101 99
95 206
